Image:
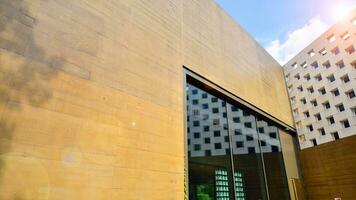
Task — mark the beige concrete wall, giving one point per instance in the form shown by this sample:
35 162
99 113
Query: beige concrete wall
215 46
91 93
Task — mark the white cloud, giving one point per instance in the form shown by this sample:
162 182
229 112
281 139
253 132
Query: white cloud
296 40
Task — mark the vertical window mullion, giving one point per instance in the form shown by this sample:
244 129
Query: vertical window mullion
228 113
262 159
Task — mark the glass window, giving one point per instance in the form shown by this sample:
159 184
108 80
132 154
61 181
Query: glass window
350 49
207 140
245 114
206 128
251 150
248 124
274 148
239 144
340 107
273 161
307 77
216 122
321 131
314 142
217 134
335 50
209 165
246 153
318 77
322 91
326 105
297 76
311 53
315 65
335 92
310 89
331 38
236 119
249 138
345 78
318 116
331 78
350 94
261 130
327 64
204 117
238 132
273 135
255 149
345 123
208 152
234 109
263 143
314 103
303 100
224 114
217 145
205 106
335 135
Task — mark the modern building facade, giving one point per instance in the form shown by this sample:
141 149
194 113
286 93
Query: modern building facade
321 81
93 103
232 153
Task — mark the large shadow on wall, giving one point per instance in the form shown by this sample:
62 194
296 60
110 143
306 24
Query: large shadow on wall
25 69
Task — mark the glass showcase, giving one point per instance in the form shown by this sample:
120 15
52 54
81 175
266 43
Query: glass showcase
232 154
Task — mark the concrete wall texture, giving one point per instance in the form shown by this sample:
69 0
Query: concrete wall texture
91 93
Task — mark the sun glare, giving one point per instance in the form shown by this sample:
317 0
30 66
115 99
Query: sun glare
340 11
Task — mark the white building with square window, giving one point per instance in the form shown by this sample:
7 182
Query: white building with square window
209 119
321 82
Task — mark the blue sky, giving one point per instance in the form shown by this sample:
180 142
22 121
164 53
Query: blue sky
284 27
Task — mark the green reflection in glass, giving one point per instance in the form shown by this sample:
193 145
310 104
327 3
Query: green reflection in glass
204 192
